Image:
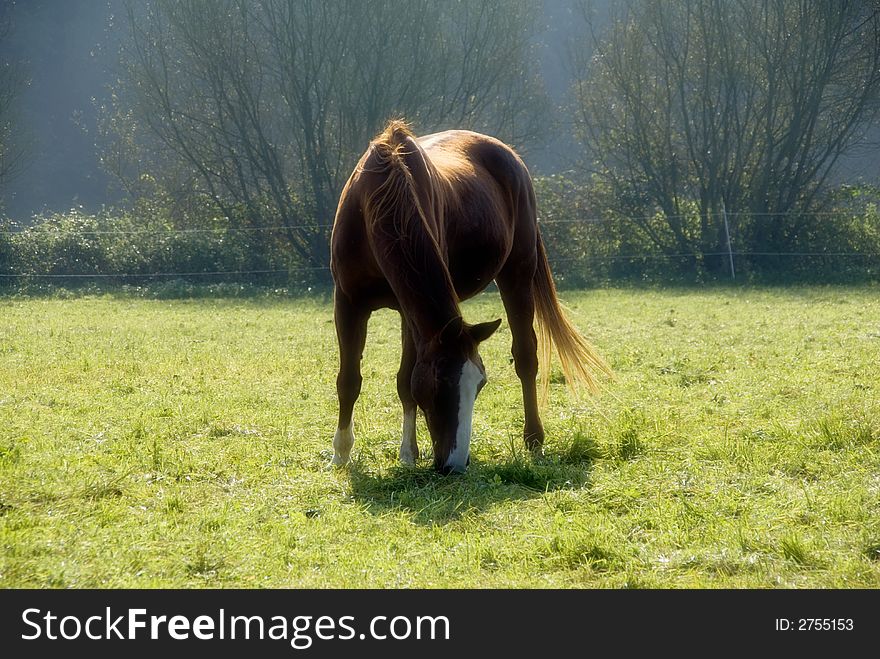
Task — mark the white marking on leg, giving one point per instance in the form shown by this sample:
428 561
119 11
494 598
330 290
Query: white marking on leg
343 440
469 384
408 447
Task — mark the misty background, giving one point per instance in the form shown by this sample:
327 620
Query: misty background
66 50
69 51
668 140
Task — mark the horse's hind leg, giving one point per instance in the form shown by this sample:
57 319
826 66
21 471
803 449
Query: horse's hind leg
409 448
351 333
515 286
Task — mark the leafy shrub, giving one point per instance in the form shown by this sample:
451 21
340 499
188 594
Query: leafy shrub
173 248
588 245
143 245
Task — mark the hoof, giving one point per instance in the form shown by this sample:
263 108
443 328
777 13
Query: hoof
343 440
408 457
337 462
535 443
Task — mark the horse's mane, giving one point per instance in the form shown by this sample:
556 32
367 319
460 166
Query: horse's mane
395 210
397 196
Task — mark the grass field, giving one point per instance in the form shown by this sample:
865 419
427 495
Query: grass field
153 443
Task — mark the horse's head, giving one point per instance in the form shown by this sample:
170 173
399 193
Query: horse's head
446 379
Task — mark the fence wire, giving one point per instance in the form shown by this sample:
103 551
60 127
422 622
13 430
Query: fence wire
303 270
325 226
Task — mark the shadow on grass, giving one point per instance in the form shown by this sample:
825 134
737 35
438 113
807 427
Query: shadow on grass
432 499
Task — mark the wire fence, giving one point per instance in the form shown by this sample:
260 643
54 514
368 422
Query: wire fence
303 270
557 261
326 226
175 231
195 273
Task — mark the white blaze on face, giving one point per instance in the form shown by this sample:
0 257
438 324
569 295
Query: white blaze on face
469 385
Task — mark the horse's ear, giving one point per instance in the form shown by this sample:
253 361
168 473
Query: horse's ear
452 330
482 331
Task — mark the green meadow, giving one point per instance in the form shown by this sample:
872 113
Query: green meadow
185 443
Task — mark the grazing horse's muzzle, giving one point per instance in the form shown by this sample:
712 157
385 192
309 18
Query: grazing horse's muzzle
448 469
451 428
451 454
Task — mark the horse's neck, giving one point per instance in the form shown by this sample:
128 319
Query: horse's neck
418 275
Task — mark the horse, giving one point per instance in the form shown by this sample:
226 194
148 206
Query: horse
423 223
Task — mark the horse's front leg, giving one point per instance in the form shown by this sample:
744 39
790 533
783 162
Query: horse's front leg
409 448
516 293
351 333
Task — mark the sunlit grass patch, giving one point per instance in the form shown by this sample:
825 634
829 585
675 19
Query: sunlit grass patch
185 443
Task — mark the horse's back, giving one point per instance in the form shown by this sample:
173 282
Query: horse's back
487 200
462 154
490 213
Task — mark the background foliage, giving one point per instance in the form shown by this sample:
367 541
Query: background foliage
232 126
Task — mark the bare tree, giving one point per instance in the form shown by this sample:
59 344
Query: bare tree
689 107
263 106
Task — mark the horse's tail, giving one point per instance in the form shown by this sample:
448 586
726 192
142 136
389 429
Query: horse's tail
579 359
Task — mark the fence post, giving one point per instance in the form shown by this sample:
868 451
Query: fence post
727 234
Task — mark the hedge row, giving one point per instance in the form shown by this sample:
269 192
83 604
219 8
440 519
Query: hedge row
586 247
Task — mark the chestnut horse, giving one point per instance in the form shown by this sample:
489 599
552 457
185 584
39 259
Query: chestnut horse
422 224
